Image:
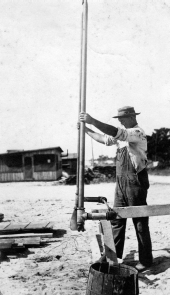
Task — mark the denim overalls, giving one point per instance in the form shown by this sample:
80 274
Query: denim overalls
131 190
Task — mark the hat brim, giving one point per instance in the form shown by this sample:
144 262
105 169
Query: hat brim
127 115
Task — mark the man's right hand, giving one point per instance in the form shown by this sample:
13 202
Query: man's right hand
86 118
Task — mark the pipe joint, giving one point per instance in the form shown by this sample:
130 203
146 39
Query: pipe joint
80 219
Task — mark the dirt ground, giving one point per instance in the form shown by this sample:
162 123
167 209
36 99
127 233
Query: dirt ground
61 266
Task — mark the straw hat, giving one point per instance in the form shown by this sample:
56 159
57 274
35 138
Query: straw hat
126 112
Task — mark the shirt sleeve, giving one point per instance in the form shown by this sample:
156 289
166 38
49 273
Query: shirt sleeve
109 140
130 135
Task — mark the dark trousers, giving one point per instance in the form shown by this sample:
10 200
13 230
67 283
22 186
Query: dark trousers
131 190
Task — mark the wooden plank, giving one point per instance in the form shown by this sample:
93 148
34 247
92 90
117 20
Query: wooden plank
109 245
8 226
99 239
7 241
3 225
28 241
48 235
6 245
137 211
17 247
20 241
95 248
25 226
41 225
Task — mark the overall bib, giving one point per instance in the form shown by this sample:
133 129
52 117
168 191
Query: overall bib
131 190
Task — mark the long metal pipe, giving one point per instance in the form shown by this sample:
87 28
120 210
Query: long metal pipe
79 110
73 221
83 109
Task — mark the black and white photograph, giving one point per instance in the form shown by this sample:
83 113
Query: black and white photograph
84 147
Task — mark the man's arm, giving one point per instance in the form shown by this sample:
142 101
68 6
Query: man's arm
96 136
105 128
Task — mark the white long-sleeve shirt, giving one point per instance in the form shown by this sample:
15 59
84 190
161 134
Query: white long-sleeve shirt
136 141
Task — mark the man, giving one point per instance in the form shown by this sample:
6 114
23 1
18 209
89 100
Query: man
131 176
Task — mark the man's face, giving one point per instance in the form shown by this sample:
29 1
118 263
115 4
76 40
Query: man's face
126 122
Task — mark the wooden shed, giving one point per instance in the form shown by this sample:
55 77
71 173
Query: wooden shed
69 163
32 165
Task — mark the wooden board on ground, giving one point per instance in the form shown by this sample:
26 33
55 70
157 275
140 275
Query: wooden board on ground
29 235
25 241
138 211
28 241
19 243
10 227
6 245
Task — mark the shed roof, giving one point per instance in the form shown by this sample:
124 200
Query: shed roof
30 151
70 156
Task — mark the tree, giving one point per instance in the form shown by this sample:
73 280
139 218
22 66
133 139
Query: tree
159 145
102 158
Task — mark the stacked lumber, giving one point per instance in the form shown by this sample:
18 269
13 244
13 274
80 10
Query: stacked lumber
19 236
8 241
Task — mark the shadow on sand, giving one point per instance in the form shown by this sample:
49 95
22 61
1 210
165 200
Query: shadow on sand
160 264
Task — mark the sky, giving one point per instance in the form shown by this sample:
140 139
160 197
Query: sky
128 63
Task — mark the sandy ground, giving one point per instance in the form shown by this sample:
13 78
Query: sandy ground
62 266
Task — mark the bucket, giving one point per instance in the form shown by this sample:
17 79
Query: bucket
118 279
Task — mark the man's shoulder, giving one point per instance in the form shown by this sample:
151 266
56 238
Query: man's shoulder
137 132
137 129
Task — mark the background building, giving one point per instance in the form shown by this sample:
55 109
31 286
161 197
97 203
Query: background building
33 165
69 163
